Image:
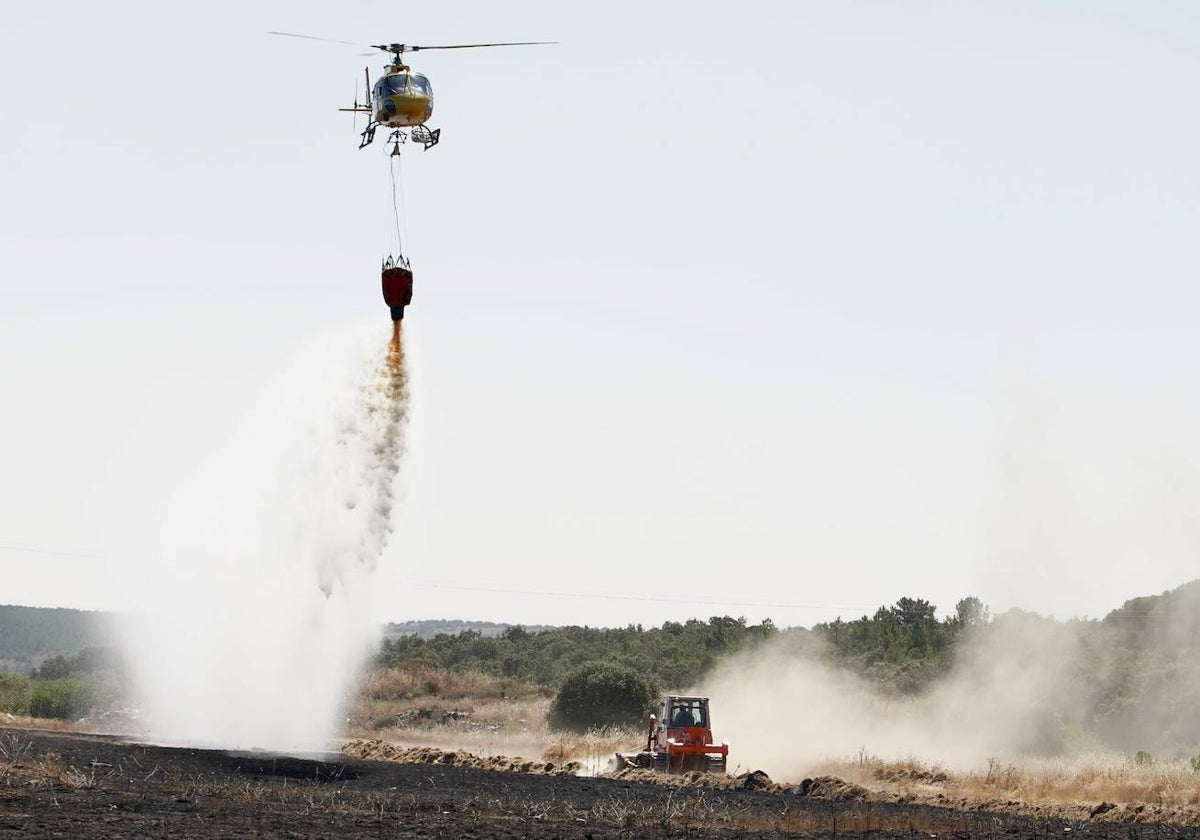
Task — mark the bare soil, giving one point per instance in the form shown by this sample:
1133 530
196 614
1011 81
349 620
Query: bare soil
55 784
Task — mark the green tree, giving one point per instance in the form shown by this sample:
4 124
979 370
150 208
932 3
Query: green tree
54 668
971 612
599 694
909 611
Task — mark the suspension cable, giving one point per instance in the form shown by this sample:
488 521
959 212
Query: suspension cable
399 211
397 241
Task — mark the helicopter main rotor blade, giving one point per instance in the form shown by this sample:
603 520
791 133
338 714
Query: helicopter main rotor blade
470 46
315 38
403 48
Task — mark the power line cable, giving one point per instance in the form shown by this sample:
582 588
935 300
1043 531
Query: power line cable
809 605
649 598
6 546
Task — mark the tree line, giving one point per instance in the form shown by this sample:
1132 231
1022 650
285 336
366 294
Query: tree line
901 647
675 654
1131 679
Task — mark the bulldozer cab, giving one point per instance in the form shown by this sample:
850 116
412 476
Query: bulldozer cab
685 712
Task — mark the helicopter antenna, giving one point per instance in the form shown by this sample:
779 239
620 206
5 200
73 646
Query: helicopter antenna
366 105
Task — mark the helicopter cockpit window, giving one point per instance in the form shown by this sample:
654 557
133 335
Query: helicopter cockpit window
420 84
390 85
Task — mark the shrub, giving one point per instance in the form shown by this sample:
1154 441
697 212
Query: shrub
1143 759
14 694
597 694
63 699
1196 764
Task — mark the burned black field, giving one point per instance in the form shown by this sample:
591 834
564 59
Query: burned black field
70 785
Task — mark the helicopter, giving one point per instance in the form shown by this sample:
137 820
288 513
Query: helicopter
402 98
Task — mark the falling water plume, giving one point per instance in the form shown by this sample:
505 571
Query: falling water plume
255 609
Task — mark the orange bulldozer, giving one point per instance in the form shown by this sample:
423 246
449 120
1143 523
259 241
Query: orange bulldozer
680 740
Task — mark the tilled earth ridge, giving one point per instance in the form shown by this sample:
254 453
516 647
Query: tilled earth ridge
379 750
70 785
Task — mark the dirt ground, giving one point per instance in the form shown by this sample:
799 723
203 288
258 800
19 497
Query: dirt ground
56 784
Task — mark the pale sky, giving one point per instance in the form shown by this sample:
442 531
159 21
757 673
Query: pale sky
777 309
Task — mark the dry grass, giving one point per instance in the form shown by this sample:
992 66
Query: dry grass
421 706
386 694
409 705
21 764
24 722
1070 785
511 728
1087 779
595 750
699 810
414 682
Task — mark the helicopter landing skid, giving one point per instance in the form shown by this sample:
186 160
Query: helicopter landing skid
368 135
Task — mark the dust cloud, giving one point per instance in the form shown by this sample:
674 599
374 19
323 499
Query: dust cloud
1020 687
1092 495
255 610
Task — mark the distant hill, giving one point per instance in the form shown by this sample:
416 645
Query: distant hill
29 635
1178 608
452 627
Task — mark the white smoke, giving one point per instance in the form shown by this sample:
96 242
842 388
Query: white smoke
256 608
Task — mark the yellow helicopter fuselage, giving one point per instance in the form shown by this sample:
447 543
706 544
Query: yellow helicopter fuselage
402 98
